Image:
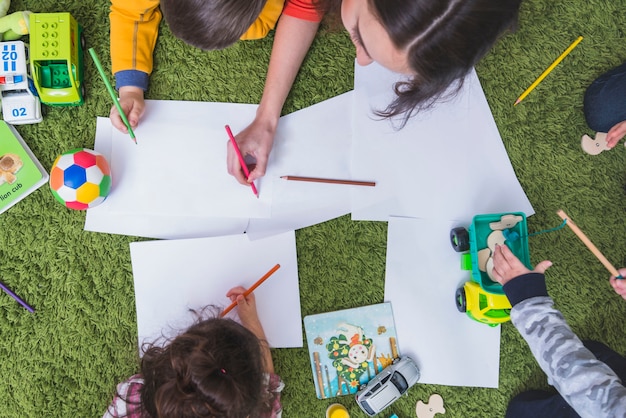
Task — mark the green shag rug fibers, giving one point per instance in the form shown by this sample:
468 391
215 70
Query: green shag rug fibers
65 360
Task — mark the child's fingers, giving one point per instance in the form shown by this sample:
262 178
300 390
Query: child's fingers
235 291
619 286
116 120
616 133
233 166
543 266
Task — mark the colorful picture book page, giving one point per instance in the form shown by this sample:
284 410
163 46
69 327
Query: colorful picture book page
348 348
20 171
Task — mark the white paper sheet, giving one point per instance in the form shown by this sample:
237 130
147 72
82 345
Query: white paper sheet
444 162
422 275
312 142
172 276
178 166
103 218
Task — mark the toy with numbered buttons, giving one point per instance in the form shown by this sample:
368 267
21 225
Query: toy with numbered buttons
20 104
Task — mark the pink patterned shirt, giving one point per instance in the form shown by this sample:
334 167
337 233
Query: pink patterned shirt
127 400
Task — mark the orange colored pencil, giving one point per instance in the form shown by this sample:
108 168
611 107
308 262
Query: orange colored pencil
251 288
331 181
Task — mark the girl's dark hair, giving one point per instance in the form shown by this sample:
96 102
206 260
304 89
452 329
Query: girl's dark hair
214 369
210 24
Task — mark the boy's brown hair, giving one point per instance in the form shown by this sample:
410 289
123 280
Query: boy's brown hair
210 24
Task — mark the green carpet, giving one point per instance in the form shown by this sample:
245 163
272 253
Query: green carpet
65 360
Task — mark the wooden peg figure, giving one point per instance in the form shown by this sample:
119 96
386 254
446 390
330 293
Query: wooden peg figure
594 146
431 408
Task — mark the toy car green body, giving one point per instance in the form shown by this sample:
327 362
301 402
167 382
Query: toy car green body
483 299
56 49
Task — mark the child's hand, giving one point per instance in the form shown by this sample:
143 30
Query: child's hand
506 266
256 142
246 309
616 133
131 99
619 285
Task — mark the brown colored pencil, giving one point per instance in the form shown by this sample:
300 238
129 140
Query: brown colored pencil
331 181
251 288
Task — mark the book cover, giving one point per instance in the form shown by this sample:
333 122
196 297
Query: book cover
20 171
347 348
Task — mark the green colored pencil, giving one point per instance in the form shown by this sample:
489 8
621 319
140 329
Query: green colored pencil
96 61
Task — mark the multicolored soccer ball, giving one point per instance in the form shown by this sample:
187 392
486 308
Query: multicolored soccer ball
80 179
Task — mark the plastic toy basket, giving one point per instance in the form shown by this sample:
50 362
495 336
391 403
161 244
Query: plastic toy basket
517 241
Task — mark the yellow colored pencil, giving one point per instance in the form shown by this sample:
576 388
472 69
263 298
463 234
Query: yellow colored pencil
548 70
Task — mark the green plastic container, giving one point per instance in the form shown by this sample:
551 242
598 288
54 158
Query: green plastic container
517 241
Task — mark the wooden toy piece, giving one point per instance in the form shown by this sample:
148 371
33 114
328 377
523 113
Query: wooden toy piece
431 408
506 222
489 269
594 146
483 256
496 237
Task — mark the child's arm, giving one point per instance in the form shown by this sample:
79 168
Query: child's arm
134 29
619 285
246 309
587 384
291 43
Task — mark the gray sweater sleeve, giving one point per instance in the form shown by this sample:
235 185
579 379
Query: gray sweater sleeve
587 384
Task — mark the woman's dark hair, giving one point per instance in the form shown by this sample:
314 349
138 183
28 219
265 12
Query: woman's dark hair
213 369
210 24
444 40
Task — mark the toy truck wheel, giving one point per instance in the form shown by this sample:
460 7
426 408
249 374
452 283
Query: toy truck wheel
83 42
459 238
461 300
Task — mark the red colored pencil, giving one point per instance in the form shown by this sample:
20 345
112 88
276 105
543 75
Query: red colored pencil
244 167
251 288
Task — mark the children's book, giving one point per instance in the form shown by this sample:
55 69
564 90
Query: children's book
20 171
349 347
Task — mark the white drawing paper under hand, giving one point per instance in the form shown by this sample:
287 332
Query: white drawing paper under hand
446 160
422 274
178 166
173 276
312 142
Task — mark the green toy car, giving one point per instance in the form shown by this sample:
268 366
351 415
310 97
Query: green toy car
56 58
482 298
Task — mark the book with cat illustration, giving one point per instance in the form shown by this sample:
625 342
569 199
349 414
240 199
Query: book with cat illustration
20 171
349 347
